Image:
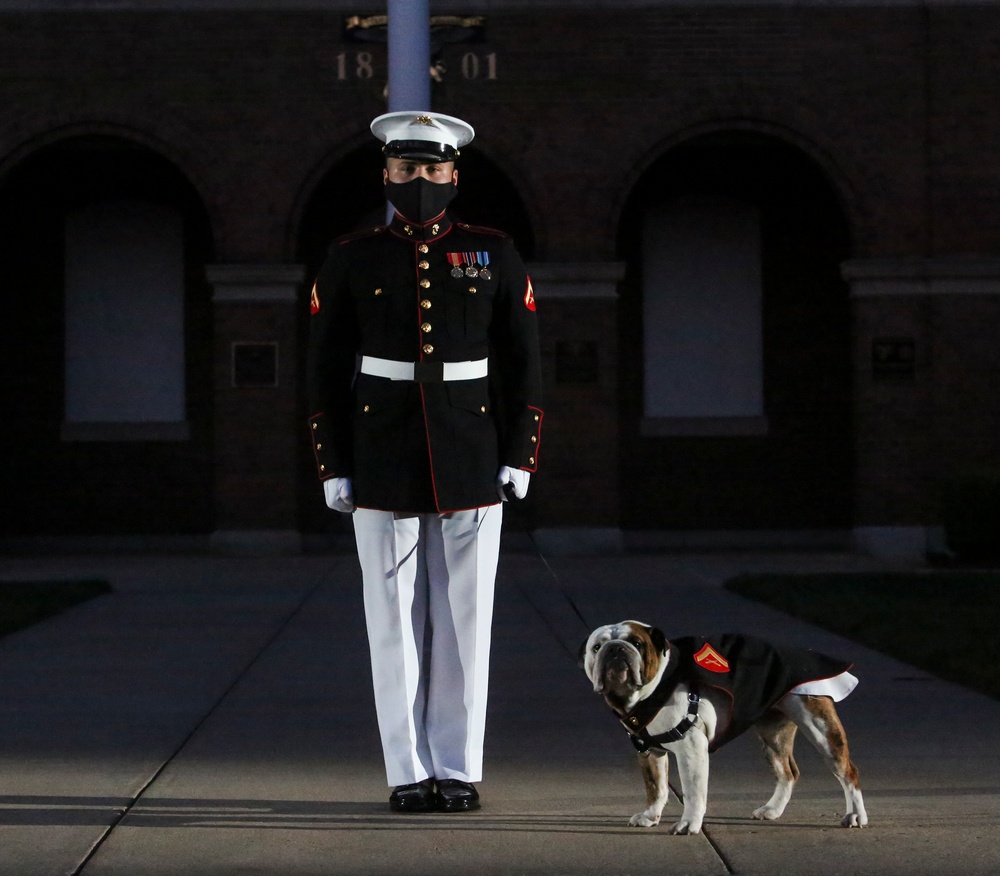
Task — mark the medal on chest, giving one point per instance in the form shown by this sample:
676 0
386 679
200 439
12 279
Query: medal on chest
470 264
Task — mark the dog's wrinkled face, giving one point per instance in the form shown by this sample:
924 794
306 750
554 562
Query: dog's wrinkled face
621 658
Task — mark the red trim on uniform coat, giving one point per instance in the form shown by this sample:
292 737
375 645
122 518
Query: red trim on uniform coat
401 236
487 230
420 347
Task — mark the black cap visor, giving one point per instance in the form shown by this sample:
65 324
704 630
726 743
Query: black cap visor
423 150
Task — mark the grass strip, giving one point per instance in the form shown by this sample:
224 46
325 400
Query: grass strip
23 603
942 622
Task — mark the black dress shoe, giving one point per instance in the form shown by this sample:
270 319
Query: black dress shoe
456 796
418 797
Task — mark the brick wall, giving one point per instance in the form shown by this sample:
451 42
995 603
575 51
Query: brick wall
899 105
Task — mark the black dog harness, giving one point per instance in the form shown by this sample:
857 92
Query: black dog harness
643 742
636 721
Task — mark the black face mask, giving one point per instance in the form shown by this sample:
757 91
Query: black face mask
420 200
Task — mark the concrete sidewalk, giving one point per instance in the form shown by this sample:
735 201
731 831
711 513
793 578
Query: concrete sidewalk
214 716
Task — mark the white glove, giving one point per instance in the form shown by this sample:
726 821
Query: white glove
515 476
339 495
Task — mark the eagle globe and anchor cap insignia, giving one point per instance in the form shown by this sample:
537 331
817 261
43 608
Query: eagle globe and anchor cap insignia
710 659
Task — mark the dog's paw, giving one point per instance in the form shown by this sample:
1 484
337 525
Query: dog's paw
684 827
644 819
852 819
766 813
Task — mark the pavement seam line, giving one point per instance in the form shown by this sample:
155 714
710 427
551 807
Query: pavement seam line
708 837
718 851
198 725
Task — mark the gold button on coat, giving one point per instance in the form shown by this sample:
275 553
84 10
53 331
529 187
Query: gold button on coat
428 349
425 304
426 327
423 265
425 284
423 247
378 291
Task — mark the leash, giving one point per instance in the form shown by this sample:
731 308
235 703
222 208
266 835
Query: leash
554 616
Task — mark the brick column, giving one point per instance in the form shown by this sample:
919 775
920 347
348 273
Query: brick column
577 486
255 373
926 390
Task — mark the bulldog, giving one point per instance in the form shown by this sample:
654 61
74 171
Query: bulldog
692 695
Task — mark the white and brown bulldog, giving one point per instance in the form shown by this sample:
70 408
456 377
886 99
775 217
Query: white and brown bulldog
692 695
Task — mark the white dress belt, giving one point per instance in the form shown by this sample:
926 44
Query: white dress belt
424 372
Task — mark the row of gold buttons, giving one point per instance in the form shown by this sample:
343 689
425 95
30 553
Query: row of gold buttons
425 303
534 440
319 446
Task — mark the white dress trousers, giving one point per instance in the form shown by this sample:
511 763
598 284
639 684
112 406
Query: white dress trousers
428 591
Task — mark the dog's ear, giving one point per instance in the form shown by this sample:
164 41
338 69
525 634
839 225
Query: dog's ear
659 640
582 653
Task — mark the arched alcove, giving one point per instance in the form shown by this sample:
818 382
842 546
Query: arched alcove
105 345
735 403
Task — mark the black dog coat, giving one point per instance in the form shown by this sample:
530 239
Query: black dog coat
752 673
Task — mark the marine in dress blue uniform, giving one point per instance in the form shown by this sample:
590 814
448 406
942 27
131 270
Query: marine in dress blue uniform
424 385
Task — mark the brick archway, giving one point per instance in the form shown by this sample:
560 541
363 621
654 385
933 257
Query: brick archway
791 468
113 478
